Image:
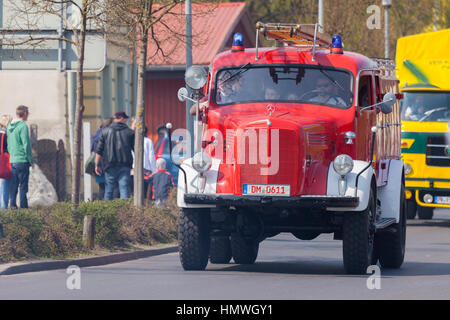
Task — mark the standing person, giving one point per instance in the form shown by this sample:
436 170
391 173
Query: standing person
115 145
163 137
19 148
94 142
149 163
4 183
162 182
149 160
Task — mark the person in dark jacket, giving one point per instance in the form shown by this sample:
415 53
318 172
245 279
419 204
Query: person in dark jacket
162 182
114 148
94 142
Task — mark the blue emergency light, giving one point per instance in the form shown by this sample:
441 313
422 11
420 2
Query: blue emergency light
336 44
238 42
238 39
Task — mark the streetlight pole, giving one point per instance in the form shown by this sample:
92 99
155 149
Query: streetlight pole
189 118
320 14
436 15
386 4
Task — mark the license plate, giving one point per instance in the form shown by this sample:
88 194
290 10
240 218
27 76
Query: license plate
442 200
283 190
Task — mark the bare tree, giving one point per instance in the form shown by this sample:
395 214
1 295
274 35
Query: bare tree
28 22
140 22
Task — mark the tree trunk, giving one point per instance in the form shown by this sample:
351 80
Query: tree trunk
140 123
79 109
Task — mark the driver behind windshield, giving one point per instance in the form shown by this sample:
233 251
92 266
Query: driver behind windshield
227 89
416 110
326 93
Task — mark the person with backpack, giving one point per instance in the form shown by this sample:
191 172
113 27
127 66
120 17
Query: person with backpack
94 142
5 169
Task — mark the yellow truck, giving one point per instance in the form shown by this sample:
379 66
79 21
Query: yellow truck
423 69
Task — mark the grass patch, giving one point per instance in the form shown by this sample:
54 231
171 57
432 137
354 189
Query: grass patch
55 232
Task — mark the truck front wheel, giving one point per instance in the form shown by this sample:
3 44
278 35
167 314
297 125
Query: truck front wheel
391 244
358 238
411 209
194 238
243 251
425 213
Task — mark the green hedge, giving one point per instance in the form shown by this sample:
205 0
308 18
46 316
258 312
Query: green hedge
56 231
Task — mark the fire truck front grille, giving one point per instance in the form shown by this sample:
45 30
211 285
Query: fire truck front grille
436 154
288 158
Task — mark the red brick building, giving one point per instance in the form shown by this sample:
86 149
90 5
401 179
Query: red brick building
213 27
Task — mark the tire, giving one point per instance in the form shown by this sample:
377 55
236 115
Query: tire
194 238
411 209
243 251
425 213
220 249
358 239
391 245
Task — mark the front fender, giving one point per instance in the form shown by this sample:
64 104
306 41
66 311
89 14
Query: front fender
390 194
194 182
364 185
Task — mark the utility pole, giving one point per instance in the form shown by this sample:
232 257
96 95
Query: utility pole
321 14
436 15
386 4
189 118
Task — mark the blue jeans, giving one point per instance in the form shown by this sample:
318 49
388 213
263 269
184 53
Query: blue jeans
5 184
120 175
19 181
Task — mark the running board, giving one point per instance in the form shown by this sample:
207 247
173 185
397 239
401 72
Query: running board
384 223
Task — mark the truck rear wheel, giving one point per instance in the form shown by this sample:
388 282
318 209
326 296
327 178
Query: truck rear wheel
391 244
194 238
220 249
358 238
411 209
243 251
425 213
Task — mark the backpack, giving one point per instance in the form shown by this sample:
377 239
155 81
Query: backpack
5 165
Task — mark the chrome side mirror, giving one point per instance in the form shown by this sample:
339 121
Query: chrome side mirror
388 101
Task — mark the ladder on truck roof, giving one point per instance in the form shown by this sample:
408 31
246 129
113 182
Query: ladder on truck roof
301 35
295 34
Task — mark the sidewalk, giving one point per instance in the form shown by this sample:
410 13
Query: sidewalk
36 266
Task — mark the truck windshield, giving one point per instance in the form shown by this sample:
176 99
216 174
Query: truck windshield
319 86
426 106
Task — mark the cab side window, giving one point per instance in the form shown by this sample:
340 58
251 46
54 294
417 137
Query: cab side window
365 91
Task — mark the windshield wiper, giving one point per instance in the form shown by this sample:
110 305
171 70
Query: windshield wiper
335 83
241 70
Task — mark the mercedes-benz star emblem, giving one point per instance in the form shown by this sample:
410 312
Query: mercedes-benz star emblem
270 109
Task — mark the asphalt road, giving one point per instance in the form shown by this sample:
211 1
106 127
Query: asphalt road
286 268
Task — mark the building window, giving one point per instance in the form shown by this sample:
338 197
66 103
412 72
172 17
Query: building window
120 89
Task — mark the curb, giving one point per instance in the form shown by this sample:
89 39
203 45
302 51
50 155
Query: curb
84 262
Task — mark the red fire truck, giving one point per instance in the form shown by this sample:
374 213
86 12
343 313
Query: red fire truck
302 138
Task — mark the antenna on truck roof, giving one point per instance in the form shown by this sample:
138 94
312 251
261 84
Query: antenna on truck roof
299 35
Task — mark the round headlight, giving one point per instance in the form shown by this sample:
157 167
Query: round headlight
428 198
196 77
343 164
407 168
201 162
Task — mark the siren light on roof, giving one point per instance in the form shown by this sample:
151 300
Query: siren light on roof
336 44
238 42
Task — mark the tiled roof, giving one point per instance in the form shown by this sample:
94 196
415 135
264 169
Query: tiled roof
212 25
